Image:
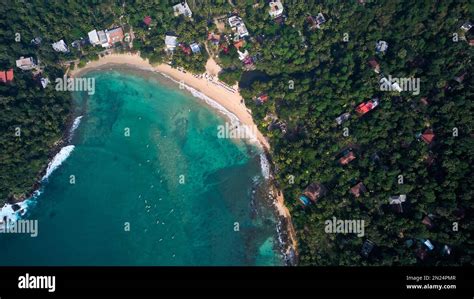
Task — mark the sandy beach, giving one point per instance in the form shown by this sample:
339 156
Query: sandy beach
227 96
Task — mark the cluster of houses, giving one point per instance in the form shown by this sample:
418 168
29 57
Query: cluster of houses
241 34
171 40
171 43
313 192
30 64
106 38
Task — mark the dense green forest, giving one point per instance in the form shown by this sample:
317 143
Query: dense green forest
313 75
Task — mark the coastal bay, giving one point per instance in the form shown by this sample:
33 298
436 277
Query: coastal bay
170 193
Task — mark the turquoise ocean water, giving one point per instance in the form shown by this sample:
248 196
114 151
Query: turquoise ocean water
149 183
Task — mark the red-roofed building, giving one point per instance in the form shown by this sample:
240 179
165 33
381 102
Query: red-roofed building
428 136
239 44
185 49
358 189
114 35
147 20
363 108
347 158
374 65
224 48
262 98
6 76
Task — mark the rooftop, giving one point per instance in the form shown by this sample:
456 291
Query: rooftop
381 46
427 136
60 46
374 64
342 118
367 248
314 191
171 42
358 189
363 108
114 35
276 9
6 76
195 48
182 9
347 158
27 63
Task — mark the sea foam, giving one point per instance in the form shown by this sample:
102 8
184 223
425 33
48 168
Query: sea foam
58 160
74 126
8 213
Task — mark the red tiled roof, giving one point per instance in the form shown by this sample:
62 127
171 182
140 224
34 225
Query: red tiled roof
6 76
347 158
115 35
364 108
263 98
428 136
357 189
238 44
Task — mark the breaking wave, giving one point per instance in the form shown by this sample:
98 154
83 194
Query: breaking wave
74 126
14 212
58 160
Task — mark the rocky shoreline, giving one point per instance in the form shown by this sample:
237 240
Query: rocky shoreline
62 142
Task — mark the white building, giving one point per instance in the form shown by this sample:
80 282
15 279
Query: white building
238 25
276 9
466 26
93 37
381 46
195 47
171 42
60 46
234 21
26 63
182 9
103 39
